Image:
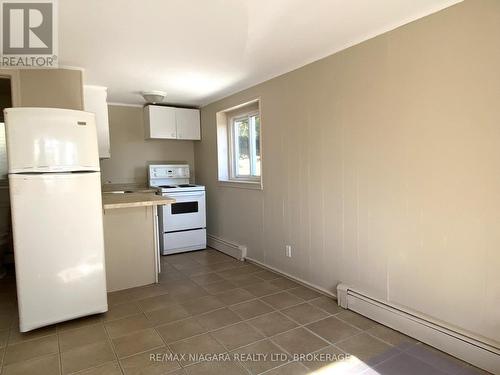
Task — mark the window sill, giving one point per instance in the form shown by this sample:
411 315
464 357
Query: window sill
252 185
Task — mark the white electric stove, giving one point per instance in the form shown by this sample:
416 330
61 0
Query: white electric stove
182 225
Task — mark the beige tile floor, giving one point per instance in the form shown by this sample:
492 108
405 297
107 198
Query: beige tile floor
209 303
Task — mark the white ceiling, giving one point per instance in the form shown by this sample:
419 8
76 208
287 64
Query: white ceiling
202 50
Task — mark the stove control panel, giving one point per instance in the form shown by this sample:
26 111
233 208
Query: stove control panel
157 171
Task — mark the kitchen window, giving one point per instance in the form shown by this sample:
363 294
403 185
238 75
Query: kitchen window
239 146
245 144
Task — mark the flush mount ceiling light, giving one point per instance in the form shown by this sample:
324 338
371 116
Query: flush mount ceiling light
154 96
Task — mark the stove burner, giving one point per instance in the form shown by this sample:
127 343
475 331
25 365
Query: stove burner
185 185
168 186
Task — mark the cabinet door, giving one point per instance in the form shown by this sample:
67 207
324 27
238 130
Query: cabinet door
95 101
160 122
188 123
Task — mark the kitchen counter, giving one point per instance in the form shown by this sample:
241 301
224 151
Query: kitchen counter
127 188
131 238
127 200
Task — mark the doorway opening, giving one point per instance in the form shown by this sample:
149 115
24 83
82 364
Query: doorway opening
5 224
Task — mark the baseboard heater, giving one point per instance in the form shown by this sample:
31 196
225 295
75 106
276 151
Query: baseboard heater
485 355
229 248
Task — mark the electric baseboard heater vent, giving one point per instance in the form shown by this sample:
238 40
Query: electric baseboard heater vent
227 247
485 355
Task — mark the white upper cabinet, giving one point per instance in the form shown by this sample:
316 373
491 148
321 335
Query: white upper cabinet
160 122
163 122
95 101
188 123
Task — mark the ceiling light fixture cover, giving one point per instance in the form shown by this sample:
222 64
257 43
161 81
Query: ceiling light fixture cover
154 96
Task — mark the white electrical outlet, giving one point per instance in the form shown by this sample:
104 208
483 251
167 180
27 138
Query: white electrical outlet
288 251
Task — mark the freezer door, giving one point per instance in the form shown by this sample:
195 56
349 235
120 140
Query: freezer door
51 140
58 247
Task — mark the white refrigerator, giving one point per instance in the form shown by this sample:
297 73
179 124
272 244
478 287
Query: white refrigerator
55 194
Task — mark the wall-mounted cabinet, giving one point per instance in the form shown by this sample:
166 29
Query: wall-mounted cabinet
188 123
95 101
160 122
163 122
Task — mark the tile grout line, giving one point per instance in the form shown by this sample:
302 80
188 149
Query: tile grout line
426 362
384 341
300 326
349 323
168 348
59 351
4 365
111 344
372 367
319 350
313 299
282 365
78 347
4 353
2 357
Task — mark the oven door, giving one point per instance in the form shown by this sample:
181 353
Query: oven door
188 211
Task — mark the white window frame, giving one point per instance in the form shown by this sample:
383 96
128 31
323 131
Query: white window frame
233 148
226 176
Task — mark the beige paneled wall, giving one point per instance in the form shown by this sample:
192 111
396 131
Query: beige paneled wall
381 167
56 88
130 152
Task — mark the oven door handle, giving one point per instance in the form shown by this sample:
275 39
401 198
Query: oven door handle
180 195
